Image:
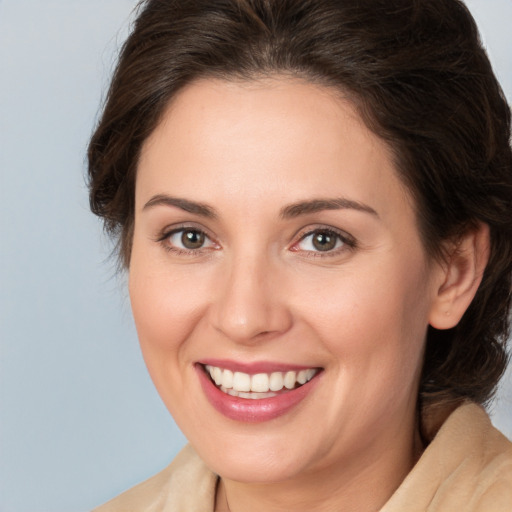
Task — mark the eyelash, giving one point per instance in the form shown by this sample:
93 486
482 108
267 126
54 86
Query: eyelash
163 239
348 242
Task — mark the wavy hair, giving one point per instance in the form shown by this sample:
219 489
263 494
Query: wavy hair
419 77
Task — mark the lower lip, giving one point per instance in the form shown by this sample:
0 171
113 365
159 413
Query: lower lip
253 410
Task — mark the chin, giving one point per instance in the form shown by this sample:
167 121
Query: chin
253 468
252 453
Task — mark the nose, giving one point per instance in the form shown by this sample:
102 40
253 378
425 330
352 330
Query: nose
250 303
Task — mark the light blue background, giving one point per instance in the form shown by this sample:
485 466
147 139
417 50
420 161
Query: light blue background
80 420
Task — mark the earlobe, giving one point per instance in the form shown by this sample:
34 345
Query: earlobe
460 277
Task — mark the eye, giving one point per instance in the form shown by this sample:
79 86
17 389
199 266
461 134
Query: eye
189 239
186 240
323 241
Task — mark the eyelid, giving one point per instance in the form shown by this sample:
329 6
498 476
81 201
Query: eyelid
348 241
164 235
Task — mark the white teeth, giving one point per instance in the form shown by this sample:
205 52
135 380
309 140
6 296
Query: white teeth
289 380
276 381
259 382
259 385
217 375
241 381
306 375
301 377
227 378
251 395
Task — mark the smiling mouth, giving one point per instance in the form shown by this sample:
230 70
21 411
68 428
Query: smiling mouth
259 385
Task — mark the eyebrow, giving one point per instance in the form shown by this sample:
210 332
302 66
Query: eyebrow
317 205
288 212
184 204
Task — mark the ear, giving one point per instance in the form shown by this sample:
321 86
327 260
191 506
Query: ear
460 277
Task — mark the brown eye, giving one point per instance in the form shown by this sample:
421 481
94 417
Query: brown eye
189 241
192 239
324 241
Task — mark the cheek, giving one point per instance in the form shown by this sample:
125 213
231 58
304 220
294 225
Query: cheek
166 307
374 326
375 333
166 311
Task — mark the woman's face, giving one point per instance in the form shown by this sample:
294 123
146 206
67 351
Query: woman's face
273 244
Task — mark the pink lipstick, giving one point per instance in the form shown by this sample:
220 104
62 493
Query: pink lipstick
255 392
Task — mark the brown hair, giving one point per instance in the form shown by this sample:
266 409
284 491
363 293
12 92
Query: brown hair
417 73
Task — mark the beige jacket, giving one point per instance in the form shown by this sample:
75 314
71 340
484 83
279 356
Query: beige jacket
467 467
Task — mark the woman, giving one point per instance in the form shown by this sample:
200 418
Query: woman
313 202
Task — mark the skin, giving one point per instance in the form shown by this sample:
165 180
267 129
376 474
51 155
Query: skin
258 290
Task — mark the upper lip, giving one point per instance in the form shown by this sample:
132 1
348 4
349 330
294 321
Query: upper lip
254 367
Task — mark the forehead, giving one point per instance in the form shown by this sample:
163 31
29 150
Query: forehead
277 137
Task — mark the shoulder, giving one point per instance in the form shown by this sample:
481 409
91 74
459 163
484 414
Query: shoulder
490 454
467 466
185 485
